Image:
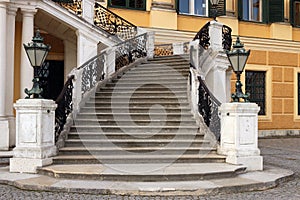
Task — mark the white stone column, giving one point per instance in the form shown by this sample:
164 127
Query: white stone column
35 143
150 44
27 34
215 34
88 10
10 44
239 135
4 124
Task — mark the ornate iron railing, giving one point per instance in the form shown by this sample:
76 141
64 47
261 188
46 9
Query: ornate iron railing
113 23
226 37
93 72
208 108
203 36
128 51
163 50
75 6
64 106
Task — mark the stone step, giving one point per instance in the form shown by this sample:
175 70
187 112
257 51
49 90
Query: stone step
130 136
138 158
152 79
190 141
144 172
138 122
182 89
133 128
119 98
136 72
137 104
134 109
170 61
141 93
137 150
148 70
165 65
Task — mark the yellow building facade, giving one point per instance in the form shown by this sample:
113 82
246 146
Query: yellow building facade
274 44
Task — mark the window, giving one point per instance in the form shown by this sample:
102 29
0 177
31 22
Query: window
256 86
131 4
193 7
251 10
266 11
199 7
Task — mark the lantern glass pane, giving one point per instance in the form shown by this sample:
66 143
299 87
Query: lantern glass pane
40 56
243 59
31 56
234 62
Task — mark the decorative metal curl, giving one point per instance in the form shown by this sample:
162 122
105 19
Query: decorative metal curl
203 36
208 108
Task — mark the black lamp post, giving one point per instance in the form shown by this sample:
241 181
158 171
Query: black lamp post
214 9
37 52
238 57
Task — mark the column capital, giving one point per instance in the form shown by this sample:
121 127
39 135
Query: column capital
29 11
12 10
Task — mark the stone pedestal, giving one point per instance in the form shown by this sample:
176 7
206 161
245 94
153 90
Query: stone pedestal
239 135
35 142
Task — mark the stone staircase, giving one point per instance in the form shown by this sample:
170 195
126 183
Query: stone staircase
141 124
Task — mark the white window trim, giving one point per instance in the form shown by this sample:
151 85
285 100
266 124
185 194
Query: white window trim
250 6
192 8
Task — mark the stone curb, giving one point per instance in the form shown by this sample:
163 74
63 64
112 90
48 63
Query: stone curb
251 181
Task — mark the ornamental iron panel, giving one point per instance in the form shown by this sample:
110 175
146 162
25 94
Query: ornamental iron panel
113 23
93 72
163 50
130 50
203 36
226 37
64 106
208 109
74 6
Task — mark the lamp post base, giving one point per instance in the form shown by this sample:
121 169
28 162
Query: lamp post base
36 91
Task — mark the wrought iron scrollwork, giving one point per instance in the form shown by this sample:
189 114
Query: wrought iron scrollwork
93 72
128 51
203 36
163 50
43 74
226 37
113 23
208 108
64 106
75 6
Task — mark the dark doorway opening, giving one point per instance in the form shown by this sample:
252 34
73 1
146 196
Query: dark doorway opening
52 80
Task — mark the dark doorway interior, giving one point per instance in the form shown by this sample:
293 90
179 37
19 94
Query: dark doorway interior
55 79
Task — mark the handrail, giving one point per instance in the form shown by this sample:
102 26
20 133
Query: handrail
64 106
208 108
204 38
113 23
105 19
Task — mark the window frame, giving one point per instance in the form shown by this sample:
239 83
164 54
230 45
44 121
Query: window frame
268 70
296 94
127 5
250 10
192 8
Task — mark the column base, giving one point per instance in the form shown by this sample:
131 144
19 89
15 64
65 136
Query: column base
253 163
4 142
35 152
28 165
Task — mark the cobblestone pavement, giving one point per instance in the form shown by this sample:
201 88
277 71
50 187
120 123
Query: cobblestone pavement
284 153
